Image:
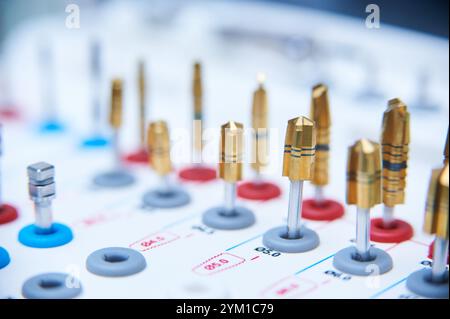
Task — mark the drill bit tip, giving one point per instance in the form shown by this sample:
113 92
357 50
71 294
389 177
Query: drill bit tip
436 212
261 78
364 174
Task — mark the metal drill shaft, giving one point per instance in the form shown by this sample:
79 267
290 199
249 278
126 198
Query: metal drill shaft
363 189
363 233
440 255
294 209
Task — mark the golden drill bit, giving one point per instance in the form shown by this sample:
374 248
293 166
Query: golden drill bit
115 118
436 212
446 151
364 174
159 147
231 151
197 93
320 114
299 150
259 124
142 97
395 144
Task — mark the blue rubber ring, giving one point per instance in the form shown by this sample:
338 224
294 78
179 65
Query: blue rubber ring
4 258
60 235
51 286
95 142
51 126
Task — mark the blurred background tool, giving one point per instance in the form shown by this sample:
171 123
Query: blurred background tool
118 176
320 207
198 172
96 138
259 188
8 213
141 155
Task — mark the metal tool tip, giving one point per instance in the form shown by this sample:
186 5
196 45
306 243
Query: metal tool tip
319 90
261 78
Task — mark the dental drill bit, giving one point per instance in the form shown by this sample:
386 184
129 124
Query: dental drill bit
446 151
298 165
115 118
142 103
197 129
320 114
436 221
231 156
395 143
159 146
260 129
166 194
363 189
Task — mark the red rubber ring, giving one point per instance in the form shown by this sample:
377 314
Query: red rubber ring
258 191
141 157
326 211
9 113
431 250
400 231
198 174
7 214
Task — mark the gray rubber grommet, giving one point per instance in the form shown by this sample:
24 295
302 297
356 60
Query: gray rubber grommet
117 178
380 262
276 239
51 286
115 262
176 197
216 218
419 282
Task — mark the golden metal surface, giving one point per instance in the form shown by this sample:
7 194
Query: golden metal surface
115 115
197 94
260 145
299 149
364 174
142 99
320 114
159 147
395 146
436 212
231 151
